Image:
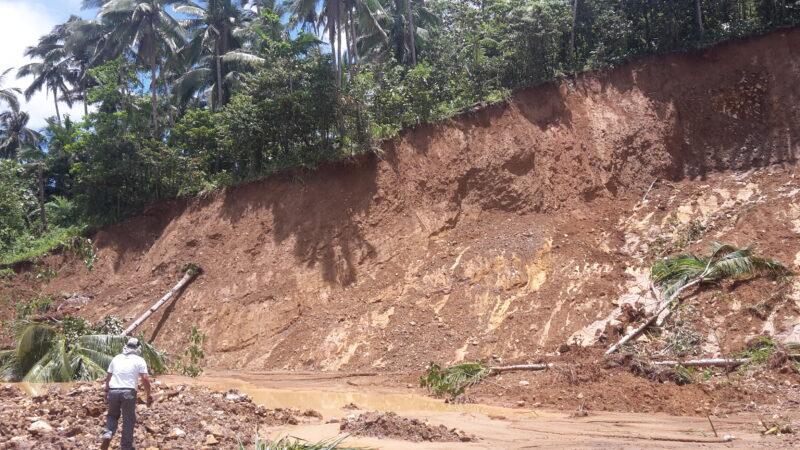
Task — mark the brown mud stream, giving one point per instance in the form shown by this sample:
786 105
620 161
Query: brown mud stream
495 427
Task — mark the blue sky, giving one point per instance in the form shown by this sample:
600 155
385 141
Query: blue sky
21 24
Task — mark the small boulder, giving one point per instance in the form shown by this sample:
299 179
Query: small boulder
40 427
176 433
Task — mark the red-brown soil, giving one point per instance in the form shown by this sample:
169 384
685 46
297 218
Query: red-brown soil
500 235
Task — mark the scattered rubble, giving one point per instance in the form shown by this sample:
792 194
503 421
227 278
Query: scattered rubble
73 416
390 425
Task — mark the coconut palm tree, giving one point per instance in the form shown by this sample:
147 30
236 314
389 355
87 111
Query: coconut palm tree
338 16
9 95
15 134
304 12
51 352
54 71
146 27
214 50
402 27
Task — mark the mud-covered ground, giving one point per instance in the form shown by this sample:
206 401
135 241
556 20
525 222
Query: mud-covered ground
369 411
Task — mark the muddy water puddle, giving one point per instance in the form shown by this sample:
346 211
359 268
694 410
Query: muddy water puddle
331 401
494 427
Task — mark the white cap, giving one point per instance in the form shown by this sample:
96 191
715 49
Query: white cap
132 343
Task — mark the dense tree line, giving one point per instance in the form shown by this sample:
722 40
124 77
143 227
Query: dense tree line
183 97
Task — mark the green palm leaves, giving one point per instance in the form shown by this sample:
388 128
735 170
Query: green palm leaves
673 274
453 380
15 134
9 95
49 353
214 52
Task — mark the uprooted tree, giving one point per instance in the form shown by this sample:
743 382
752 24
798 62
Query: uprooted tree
672 276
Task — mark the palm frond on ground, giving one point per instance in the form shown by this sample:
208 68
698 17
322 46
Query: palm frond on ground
287 443
453 380
673 274
45 353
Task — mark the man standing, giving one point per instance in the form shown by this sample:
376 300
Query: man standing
124 372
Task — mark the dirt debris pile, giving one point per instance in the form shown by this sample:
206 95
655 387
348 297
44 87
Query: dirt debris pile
73 417
390 425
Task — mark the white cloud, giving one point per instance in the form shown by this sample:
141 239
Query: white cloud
21 25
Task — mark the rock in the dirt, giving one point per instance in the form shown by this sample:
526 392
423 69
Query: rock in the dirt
21 443
40 427
213 429
177 433
524 383
233 396
211 440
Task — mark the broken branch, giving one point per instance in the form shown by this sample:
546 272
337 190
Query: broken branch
542 366
711 362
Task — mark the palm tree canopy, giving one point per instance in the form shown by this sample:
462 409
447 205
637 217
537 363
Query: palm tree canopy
725 261
15 134
46 353
143 25
219 34
9 95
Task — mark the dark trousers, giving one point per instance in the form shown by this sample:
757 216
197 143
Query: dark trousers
122 402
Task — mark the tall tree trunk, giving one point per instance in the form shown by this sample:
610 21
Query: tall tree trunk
42 213
698 16
154 94
55 101
572 55
411 31
354 38
332 38
218 59
349 59
339 42
85 104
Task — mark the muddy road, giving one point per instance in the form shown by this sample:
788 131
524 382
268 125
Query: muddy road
339 396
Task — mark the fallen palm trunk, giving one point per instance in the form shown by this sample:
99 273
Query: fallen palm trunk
543 366
191 272
633 334
711 362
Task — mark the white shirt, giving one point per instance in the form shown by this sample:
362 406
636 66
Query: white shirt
125 371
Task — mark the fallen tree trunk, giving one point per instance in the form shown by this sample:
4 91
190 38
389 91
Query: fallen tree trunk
191 272
625 339
711 362
542 366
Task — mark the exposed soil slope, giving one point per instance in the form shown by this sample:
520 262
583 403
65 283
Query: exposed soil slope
502 234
